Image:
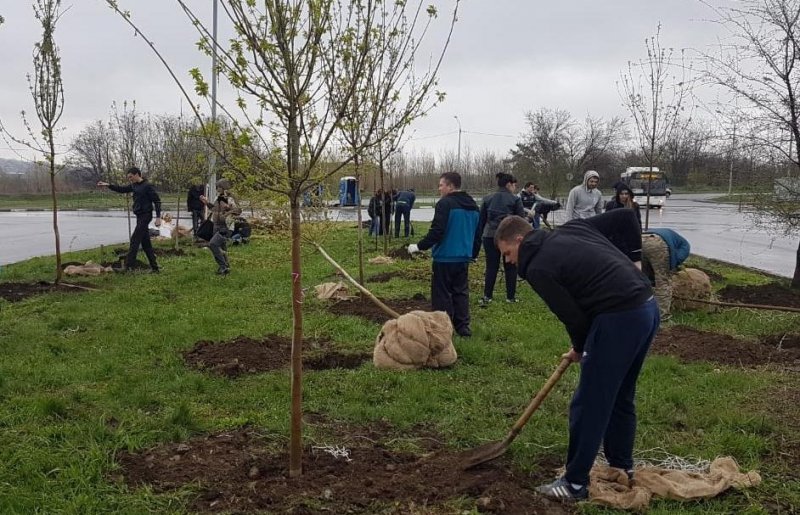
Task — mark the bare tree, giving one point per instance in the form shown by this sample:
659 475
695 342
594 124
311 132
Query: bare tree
585 144
656 90
759 65
93 146
286 60
47 90
542 151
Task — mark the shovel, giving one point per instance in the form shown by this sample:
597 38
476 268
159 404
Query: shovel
492 450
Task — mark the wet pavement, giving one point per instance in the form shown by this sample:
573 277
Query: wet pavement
714 230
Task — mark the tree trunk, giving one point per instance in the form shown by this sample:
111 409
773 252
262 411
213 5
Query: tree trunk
384 221
59 272
796 278
296 450
360 228
296 432
177 221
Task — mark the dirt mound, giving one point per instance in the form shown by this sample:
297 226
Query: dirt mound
384 277
238 471
244 355
366 309
773 294
15 292
402 253
692 345
714 276
782 341
169 252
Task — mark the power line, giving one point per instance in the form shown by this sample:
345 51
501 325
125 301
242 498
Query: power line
434 136
490 134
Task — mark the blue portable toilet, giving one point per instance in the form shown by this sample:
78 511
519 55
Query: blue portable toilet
348 192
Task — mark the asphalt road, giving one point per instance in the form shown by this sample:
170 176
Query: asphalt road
714 230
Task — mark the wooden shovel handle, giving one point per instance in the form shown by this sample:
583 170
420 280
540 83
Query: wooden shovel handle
540 396
386 309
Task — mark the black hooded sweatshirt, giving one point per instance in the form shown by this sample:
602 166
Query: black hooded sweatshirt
145 198
580 274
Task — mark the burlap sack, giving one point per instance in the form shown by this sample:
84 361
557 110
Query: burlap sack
415 340
611 487
691 283
90 268
335 291
381 260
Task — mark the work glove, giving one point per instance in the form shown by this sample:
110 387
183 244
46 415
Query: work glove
413 248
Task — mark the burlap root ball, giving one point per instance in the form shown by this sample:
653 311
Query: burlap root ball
415 340
691 283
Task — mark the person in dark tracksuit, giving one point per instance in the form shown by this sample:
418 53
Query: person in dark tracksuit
607 306
403 204
145 200
453 238
494 208
195 206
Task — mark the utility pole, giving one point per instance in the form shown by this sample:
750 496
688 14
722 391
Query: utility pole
212 161
458 160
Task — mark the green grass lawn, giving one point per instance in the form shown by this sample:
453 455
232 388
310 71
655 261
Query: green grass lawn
90 200
83 376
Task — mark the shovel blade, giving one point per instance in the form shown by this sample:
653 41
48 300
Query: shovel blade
484 453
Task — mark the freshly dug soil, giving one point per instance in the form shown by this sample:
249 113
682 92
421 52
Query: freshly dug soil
714 276
15 292
773 294
169 252
244 355
692 345
402 253
366 309
238 471
384 277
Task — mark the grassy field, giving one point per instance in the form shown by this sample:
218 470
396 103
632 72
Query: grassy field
83 376
90 200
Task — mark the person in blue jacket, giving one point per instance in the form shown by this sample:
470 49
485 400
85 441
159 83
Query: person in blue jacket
452 237
403 204
663 251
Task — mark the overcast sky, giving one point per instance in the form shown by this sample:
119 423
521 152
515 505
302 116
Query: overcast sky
506 57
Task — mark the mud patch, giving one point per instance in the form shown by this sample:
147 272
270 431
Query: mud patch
244 355
773 294
161 252
241 471
365 309
714 276
691 345
402 253
15 292
384 277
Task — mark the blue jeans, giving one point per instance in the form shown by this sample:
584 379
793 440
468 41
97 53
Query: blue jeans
603 409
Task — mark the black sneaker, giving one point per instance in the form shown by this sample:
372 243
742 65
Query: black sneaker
223 271
562 490
155 270
465 332
484 302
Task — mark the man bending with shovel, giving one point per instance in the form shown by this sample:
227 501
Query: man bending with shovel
608 309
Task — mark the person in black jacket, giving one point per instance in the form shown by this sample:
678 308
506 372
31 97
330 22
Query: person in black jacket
608 309
145 200
624 198
495 207
452 237
195 206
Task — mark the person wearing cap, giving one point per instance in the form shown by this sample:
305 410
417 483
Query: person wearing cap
221 209
624 198
145 200
606 304
585 200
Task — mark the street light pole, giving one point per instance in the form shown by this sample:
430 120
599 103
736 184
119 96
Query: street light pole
212 162
458 160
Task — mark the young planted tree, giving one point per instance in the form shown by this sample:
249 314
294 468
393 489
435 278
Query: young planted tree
286 61
656 91
48 99
760 65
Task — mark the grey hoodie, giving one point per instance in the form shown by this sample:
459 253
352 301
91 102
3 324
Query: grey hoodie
583 202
